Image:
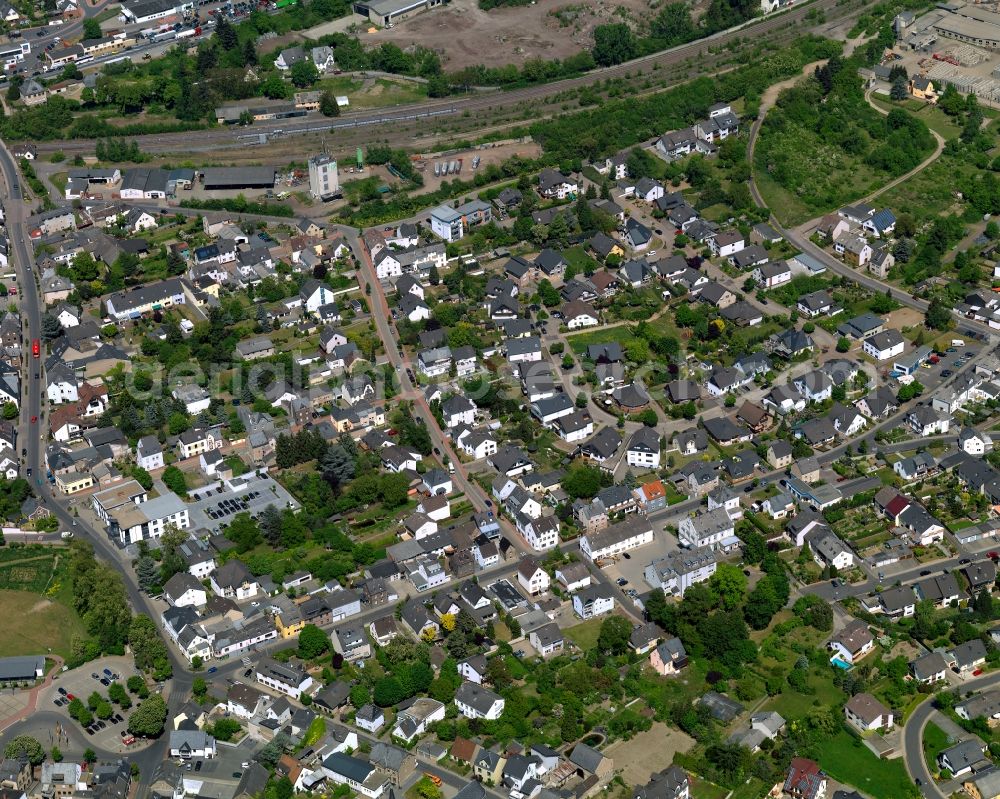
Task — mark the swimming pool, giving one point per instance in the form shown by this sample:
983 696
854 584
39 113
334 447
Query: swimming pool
840 663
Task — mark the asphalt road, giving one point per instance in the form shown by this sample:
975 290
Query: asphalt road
913 751
862 277
31 436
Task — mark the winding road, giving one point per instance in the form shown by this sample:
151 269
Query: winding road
913 735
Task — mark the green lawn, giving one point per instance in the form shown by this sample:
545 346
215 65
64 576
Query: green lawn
585 635
793 705
933 117
935 739
786 207
578 257
36 624
381 92
752 789
580 341
59 180
931 191
848 760
703 789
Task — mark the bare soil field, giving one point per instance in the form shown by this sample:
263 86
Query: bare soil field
648 752
464 35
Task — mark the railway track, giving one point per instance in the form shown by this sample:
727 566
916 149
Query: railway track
786 26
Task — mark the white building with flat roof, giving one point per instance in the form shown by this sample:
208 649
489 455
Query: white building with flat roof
324 179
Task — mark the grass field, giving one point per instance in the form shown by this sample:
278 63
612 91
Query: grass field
848 760
578 257
580 341
585 635
931 191
935 739
933 117
374 94
751 789
702 789
36 603
35 625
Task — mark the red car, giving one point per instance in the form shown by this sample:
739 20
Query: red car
34 419
70 697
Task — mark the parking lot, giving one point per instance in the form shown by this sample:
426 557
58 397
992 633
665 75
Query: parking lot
217 504
215 774
632 565
81 683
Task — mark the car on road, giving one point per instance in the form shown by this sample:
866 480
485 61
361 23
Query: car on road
197 766
29 471
925 572
964 561
626 556
62 690
946 373
96 676
248 672
437 451
34 419
213 669
621 581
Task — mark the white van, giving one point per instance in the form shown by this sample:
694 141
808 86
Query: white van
958 342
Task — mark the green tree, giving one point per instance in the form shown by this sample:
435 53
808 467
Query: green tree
173 478
91 28
582 482
938 314
148 719
613 44
548 294
313 642
614 635
304 73
730 584
225 729
26 746
328 106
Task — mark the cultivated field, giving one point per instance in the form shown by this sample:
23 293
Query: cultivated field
465 35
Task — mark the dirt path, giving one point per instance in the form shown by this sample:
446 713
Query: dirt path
918 168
